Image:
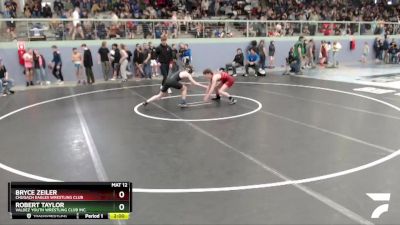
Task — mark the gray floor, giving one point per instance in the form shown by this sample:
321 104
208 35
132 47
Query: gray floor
299 133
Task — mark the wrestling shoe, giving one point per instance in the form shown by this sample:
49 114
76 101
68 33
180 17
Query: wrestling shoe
216 98
183 105
232 101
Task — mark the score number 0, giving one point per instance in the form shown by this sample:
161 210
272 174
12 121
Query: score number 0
121 194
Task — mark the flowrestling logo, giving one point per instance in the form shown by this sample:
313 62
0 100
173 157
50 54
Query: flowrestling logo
379 197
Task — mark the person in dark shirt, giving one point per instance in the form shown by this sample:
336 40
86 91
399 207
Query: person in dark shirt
238 61
5 83
88 64
271 54
56 65
146 27
58 7
146 62
47 11
393 50
115 55
104 60
138 59
164 53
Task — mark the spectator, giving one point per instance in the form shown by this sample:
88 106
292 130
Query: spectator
146 61
27 11
56 65
138 59
28 63
271 54
298 55
36 11
252 61
385 52
147 30
381 50
336 47
329 51
40 68
104 60
186 22
77 61
187 55
393 51
123 62
174 25
115 56
10 14
252 45
88 64
376 47
175 67
164 53
153 60
5 81
58 7
262 53
291 61
47 11
77 26
323 54
310 51
21 53
238 61
129 66
364 57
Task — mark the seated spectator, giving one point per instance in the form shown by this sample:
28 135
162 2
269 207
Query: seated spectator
10 14
47 11
5 82
58 7
252 61
291 61
186 56
95 8
306 31
36 11
27 10
238 61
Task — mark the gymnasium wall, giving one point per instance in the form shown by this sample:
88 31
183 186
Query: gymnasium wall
207 53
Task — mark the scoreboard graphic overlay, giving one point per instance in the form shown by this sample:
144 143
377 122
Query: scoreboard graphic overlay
70 200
